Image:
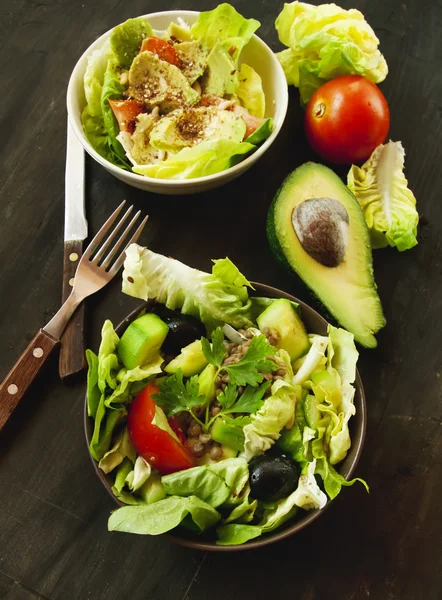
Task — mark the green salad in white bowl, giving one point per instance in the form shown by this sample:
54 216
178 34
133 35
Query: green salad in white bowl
178 96
218 413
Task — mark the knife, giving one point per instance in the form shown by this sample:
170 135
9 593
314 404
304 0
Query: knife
72 354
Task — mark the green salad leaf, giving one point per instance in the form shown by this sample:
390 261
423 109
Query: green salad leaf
121 449
234 534
206 158
176 396
162 516
250 91
388 203
93 393
212 300
126 40
324 42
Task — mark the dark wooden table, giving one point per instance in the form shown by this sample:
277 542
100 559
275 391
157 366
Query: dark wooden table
54 542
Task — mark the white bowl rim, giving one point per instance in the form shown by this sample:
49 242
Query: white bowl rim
242 165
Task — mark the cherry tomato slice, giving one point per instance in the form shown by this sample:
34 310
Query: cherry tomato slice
346 119
125 112
162 49
154 444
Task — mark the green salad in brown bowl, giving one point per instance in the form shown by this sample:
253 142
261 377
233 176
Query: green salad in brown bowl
225 413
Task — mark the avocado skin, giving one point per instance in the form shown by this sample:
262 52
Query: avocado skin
279 254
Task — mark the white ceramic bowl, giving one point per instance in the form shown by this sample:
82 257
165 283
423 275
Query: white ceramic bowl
256 54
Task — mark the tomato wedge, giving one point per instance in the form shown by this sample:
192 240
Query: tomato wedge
154 444
162 49
125 112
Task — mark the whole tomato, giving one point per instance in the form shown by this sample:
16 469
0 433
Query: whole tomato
346 119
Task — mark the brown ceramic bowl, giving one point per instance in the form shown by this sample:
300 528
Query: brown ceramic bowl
314 324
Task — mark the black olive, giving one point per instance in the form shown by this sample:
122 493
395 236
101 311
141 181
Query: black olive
183 329
272 477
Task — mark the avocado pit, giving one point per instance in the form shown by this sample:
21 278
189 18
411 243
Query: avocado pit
321 226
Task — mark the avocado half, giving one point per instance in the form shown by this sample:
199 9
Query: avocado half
348 290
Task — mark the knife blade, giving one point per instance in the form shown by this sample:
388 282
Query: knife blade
72 354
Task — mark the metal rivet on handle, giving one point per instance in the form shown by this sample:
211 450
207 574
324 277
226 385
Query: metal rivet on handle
12 389
71 282
38 352
73 257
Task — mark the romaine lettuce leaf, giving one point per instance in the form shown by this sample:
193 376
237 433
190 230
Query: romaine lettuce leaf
121 449
266 424
382 191
224 24
206 158
216 484
312 359
93 391
139 475
162 516
234 534
324 42
250 91
126 40
213 300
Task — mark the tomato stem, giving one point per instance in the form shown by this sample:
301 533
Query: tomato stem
319 110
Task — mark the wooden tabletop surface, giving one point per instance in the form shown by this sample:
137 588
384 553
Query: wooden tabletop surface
54 542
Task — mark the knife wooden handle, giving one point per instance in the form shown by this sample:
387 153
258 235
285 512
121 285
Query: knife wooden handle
72 353
23 373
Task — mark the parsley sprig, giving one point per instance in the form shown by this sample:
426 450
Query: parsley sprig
175 396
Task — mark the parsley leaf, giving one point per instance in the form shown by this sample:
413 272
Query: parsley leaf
175 396
247 370
240 421
250 400
215 352
228 397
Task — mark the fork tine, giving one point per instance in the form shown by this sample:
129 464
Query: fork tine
109 239
107 261
102 232
118 263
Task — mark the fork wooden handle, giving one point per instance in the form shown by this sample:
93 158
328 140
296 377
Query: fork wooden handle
23 373
72 353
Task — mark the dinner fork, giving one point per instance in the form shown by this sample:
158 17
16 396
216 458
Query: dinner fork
95 269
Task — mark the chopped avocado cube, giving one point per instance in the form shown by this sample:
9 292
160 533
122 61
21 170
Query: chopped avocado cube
193 59
221 75
227 435
189 126
178 33
191 360
155 82
347 290
206 382
283 318
261 134
142 340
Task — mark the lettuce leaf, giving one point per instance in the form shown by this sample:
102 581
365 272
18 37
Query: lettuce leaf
162 516
234 534
216 484
126 40
389 205
224 24
250 91
93 391
121 449
213 300
314 357
324 42
266 424
206 158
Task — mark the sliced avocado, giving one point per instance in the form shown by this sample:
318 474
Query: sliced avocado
155 82
190 126
261 134
227 435
333 230
177 32
191 360
142 340
193 59
221 75
282 317
206 382
142 151
153 490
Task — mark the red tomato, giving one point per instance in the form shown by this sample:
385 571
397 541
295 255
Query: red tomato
162 49
154 444
125 112
346 119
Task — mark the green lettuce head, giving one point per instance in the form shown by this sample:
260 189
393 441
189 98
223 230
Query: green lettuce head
324 42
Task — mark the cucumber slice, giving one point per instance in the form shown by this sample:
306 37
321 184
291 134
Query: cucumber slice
226 435
206 382
311 412
191 360
153 490
282 317
142 340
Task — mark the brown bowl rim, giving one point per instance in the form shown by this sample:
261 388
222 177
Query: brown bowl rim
358 438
